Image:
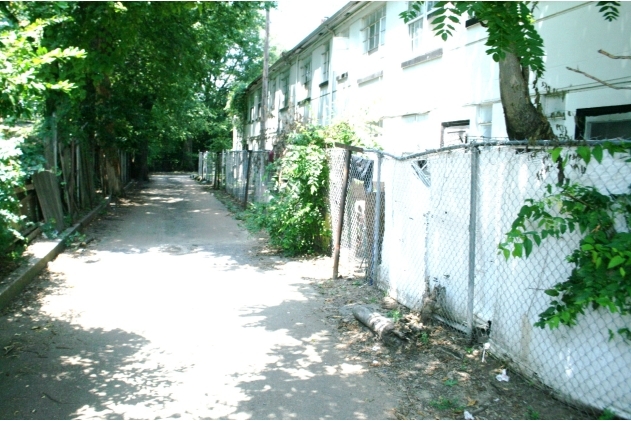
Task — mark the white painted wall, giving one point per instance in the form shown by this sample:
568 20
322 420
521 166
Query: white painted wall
455 85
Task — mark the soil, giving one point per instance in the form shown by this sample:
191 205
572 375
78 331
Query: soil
438 372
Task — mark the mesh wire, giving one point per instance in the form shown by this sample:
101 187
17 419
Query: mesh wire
424 239
229 170
421 241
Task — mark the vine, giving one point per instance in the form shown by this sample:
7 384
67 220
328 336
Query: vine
601 272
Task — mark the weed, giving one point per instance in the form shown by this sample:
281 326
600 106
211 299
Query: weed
443 404
607 414
469 350
451 382
76 237
531 414
395 315
424 338
48 228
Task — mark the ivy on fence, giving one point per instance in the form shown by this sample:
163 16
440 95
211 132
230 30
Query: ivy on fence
601 272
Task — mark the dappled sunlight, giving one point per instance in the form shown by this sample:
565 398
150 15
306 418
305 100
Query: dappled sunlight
150 322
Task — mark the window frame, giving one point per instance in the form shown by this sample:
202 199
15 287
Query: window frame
272 95
284 82
375 22
415 37
307 75
326 59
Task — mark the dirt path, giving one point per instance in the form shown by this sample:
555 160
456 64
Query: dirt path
174 311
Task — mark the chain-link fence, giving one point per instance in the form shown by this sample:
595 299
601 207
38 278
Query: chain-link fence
442 214
238 172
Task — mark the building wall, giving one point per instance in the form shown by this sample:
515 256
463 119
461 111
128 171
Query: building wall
452 80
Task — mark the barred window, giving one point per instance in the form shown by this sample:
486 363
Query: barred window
374 30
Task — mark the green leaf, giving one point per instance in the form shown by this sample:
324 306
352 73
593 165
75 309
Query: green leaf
518 250
552 292
617 260
585 153
555 153
597 153
527 246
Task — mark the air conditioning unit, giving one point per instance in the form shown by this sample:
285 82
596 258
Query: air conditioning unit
343 76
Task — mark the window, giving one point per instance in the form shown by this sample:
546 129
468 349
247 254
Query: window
252 113
485 120
323 109
454 133
306 76
258 104
415 28
272 94
306 72
600 123
374 30
325 63
284 86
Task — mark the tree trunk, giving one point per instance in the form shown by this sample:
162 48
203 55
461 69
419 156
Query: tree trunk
523 120
112 172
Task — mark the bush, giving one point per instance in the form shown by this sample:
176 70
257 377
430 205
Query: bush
295 215
10 178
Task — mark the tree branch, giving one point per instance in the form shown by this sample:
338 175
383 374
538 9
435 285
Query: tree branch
603 52
609 85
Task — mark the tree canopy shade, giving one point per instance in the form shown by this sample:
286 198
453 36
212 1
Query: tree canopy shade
89 80
154 78
516 45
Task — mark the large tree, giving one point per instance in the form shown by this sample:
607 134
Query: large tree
518 48
152 77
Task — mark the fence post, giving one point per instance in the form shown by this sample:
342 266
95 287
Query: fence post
375 244
473 218
338 230
247 179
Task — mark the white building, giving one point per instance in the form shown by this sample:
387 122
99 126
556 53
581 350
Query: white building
365 65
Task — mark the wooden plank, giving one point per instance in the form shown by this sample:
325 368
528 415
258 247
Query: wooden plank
49 196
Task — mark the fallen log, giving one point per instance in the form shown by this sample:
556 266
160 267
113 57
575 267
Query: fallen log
381 326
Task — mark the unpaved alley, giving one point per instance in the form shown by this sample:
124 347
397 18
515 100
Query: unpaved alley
173 311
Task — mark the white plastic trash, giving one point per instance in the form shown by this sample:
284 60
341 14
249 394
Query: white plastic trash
502 377
486 346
